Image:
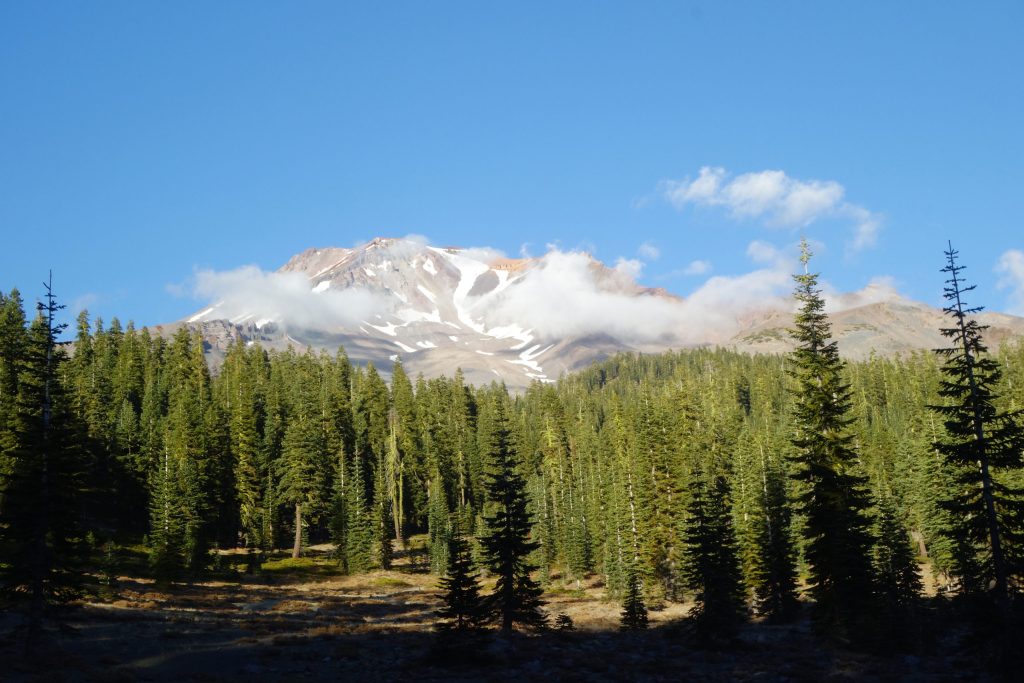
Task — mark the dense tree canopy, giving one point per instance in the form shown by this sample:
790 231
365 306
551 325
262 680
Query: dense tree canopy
658 474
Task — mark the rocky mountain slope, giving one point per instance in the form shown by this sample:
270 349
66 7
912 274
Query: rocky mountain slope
445 308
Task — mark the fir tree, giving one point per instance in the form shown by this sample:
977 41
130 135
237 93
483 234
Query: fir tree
382 550
767 547
359 526
982 447
12 349
896 571
712 569
404 452
439 525
634 611
187 459
463 605
241 405
41 540
831 490
167 527
303 466
517 597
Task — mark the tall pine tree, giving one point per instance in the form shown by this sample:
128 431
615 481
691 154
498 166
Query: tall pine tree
41 540
831 489
982 446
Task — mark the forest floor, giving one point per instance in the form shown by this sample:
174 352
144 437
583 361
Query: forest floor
303 620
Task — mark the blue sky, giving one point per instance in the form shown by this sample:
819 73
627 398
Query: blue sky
144 141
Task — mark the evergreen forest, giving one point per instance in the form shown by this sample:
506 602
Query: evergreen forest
874 498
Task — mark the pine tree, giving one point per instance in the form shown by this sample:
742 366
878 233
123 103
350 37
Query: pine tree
439 525
300 473
405 460
187 456
982 447
167 526
303 469
831 490
394 478
660 503
517 597
12 349
41 540
634 611
359 528
712 569
240 402
463 605
382 550
767 547
896 571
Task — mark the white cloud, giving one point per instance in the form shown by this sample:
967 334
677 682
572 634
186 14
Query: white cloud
1011 271
776 198
565 296
697 267
485 254
867 227
649 251
285 297
631 268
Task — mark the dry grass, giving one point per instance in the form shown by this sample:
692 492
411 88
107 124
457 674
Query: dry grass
303 619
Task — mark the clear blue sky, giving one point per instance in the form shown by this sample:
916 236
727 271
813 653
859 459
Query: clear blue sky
142 140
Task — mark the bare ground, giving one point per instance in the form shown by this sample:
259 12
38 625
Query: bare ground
305 621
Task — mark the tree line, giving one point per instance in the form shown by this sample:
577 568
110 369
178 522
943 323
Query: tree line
736 481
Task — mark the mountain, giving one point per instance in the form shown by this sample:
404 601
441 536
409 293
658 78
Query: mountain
886 328
516 320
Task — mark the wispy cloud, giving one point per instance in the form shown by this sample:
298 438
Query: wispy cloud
1010 269
631 268
691 269
649 251
762 252
286 297
698 267
83 302
776 199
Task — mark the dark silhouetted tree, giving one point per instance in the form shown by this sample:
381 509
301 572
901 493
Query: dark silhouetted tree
41 541
712 568
507 545
981 447
634 611
463 605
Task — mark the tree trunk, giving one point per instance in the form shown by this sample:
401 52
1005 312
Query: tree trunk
297 547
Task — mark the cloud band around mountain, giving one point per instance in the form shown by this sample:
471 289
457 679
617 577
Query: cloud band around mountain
563 294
